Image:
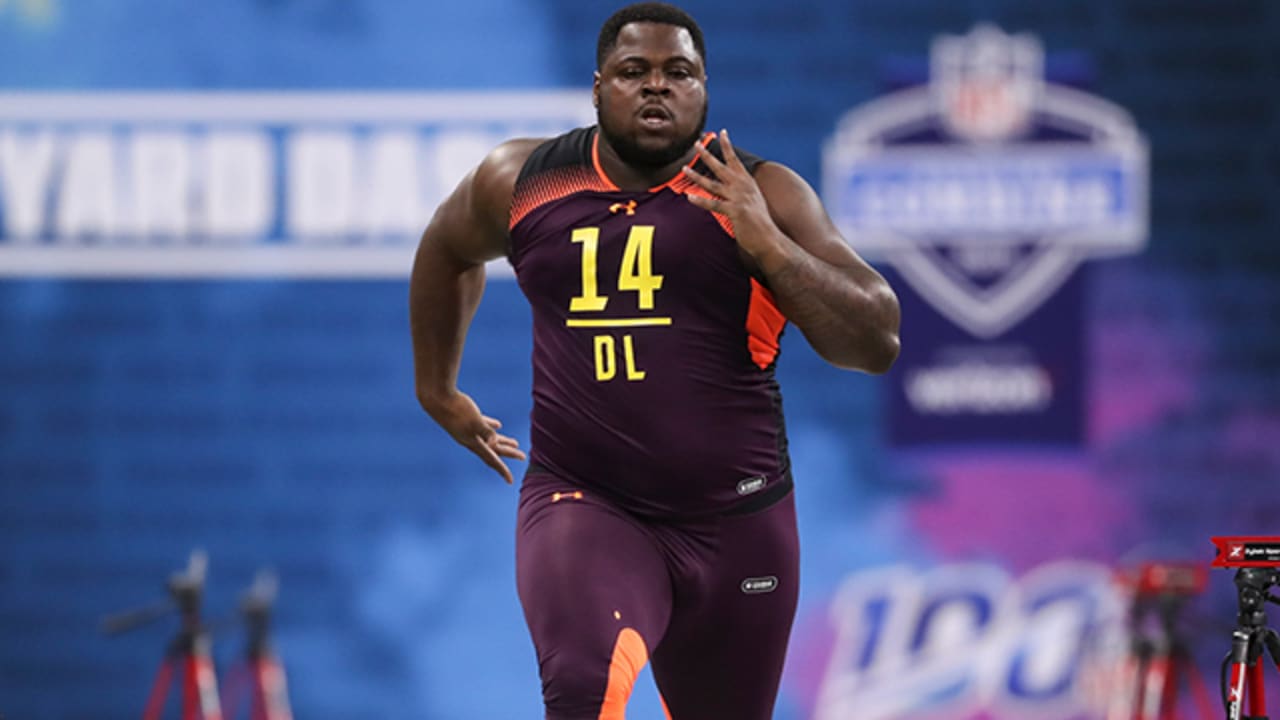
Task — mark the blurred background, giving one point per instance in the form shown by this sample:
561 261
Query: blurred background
207 219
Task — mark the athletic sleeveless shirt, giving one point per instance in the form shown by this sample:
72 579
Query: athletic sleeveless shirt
653 346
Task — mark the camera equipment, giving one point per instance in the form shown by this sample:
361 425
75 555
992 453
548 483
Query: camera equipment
187 653
260 668
1159 659
1249 641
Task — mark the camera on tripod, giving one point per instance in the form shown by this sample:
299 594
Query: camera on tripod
1148 681
1252 587
188 660
1257 563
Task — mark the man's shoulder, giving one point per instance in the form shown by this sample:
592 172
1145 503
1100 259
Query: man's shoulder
778 181
570 149
493 182
749 159
514 159
503 164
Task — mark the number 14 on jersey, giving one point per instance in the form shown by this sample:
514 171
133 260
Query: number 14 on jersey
635 275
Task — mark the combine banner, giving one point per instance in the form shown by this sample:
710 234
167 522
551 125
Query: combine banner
985 189
181 185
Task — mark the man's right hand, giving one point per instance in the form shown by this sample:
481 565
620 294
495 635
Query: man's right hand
462 419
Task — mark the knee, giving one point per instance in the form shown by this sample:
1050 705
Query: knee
573 686
592 686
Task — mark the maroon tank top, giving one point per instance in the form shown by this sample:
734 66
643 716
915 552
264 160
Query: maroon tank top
653 346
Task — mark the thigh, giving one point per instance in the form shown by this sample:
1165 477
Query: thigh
723 651
596 596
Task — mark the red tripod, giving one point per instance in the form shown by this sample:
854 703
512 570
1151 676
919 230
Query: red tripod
1248 642
1159 660
188 652
261 670
199 687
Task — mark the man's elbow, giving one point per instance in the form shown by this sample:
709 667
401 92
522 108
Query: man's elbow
873 355
871 345
882 353
884 344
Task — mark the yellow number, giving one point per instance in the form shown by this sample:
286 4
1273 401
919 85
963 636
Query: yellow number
636 273
590 300
637 266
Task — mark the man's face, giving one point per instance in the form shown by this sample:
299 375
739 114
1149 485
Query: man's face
651 95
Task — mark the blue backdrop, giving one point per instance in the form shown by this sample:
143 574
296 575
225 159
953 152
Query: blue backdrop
269 418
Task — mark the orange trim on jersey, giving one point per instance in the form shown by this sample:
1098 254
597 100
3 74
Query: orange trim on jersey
676 179
629 658
549 186
688 188
682 185
595 162
552 185
764 326
679 176
665 712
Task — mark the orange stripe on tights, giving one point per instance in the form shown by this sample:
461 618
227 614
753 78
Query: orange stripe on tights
629 657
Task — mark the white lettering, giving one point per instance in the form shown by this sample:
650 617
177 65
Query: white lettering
454 156
87 201
394 201
313 185
161 169
321 198
984 201
239 179
26 164
980 388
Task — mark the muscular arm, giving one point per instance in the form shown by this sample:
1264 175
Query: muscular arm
468 229
845 309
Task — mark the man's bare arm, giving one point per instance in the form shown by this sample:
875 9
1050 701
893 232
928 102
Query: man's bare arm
843 306
468 229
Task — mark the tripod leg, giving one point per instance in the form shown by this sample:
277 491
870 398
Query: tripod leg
1239 664
1154 683
159 690
1123 696
200 699
1169 690
271 696
1257 690
1141 681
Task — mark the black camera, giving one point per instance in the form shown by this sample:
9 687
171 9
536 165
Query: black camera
1252 587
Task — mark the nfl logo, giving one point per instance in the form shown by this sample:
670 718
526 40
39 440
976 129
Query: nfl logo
987 186
987 83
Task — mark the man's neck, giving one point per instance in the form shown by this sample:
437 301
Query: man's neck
631 178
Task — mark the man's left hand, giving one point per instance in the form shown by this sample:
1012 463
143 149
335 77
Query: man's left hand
737 196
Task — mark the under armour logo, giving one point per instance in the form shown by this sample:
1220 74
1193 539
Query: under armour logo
629 206
759 585
1237 551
